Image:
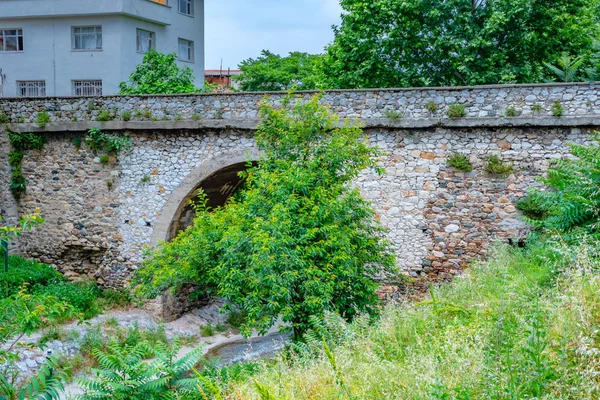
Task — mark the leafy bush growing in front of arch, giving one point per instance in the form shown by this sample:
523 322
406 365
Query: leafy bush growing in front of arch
298 240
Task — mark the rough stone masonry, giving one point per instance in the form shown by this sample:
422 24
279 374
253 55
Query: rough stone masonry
99 218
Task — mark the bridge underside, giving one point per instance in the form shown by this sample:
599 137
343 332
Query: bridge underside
217 187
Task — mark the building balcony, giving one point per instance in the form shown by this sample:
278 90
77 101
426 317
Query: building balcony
156 11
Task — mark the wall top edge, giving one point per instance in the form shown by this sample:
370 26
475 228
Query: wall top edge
595 84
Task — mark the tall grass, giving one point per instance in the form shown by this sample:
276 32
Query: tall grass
525 324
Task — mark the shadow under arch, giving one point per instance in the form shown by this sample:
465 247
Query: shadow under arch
217 177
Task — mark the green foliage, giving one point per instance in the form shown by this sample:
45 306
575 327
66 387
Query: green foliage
97 140
567 69
22 271
414 43
21 142
495 165
81 296
105 116
145 179
531 207
126 115
196 117
4 118
573 198
159 74
15 158
124 374
207 330
77 141
47 384
432 106
512 112
23 314
104 159
460 162
557 109
520 337
26 141
393 115
25 223
537 108
271 72
457 111
297 240
42 119
147 113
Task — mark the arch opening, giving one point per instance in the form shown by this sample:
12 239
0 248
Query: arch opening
218 188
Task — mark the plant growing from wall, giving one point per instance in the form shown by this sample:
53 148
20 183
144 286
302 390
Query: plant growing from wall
105 116
537 108
431 106
495 165
126 115
96 140
42 119
456 111
393 115
460 162
557 109
20 143
512 112
3 118
531 207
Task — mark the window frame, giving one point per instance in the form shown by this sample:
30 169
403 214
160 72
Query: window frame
190 50
189 3
73 34
75 82
137 40
40 85
17 36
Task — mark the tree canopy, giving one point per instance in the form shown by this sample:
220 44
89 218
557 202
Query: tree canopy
297 240
159 74
272 72
392 43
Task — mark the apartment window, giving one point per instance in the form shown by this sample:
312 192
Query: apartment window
186 50
31 88
87 88
185 7
146 41
11 39
87 38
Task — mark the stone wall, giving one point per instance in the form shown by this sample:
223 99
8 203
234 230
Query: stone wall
481 102
101 217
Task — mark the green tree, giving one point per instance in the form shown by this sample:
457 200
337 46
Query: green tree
159 74
298 240
573 199
271 72
391 43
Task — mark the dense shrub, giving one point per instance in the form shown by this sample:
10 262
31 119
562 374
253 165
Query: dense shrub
23 271
82 296
573 196
85 297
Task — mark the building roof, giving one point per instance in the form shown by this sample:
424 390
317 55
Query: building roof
222 72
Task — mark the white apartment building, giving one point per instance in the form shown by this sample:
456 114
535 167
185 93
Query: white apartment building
87 47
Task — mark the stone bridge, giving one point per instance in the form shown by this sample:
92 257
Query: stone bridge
100 217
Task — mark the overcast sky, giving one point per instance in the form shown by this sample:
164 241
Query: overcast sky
239 29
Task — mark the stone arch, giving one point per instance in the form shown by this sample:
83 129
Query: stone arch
217 177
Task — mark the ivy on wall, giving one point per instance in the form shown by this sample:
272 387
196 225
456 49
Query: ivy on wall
20 143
